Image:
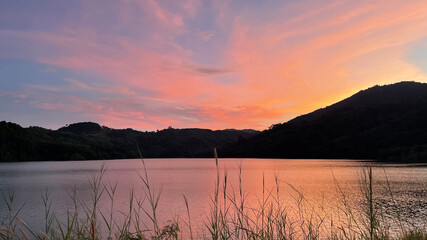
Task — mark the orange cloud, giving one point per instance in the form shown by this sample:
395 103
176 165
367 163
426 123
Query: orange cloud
302 64
253 73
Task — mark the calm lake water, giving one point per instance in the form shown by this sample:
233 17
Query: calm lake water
320 182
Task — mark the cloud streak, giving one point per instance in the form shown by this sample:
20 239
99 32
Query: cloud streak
147 64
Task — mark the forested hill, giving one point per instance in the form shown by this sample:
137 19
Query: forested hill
383 122
89 140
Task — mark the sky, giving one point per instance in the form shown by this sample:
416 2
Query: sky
148 65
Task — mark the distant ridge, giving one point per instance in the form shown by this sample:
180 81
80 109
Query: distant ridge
386 123
90 141
383 122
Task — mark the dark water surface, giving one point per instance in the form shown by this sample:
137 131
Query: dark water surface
320 182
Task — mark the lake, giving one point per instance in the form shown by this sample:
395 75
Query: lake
305 186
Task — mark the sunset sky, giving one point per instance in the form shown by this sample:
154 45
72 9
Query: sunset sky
216 64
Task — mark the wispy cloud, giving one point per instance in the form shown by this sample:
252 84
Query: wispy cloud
220 64
48 70
208 70
206 35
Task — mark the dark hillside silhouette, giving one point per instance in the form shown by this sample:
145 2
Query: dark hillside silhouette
383 122
90 141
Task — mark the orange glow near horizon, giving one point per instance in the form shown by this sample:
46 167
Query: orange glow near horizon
217 65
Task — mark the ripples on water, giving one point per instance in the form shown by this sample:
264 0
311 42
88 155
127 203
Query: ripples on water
320 182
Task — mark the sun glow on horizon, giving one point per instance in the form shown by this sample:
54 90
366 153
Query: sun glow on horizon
220 64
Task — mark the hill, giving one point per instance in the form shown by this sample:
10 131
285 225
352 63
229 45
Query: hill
90 141
383 122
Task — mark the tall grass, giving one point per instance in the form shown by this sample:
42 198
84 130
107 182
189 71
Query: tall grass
230 215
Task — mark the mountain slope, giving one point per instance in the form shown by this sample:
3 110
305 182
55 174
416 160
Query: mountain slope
383 122
89 140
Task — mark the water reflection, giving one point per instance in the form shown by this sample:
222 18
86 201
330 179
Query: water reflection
320 184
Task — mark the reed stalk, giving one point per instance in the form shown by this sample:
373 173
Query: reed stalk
230 215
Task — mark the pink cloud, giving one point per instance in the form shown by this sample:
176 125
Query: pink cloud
317 70
283 68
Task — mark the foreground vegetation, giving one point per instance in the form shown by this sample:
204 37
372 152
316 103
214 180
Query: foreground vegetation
230 216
